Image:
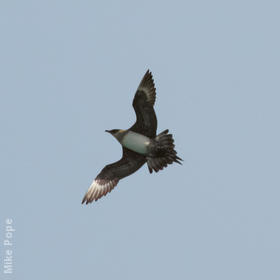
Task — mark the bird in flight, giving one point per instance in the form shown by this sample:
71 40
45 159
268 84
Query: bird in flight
140 144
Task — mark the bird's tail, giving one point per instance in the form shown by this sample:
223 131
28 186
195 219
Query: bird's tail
164 152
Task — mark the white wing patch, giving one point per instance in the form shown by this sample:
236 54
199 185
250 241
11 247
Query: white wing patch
148 87
99 188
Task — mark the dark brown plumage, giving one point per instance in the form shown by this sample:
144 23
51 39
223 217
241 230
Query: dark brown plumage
160 149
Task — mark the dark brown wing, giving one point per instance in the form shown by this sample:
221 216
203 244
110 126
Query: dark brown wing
143 102
110 175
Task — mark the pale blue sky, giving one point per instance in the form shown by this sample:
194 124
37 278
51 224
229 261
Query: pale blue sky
69 70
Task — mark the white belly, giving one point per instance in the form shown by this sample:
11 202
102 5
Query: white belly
136 142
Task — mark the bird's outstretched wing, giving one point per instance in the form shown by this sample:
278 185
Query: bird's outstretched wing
143 102
110 175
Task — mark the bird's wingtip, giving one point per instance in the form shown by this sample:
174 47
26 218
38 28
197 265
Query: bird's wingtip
99 188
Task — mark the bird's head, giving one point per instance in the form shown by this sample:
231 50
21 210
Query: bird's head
117 133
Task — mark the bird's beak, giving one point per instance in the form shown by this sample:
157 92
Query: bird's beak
107 131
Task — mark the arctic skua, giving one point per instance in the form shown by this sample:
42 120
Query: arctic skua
140 144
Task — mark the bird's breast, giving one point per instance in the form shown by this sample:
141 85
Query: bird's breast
136 142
